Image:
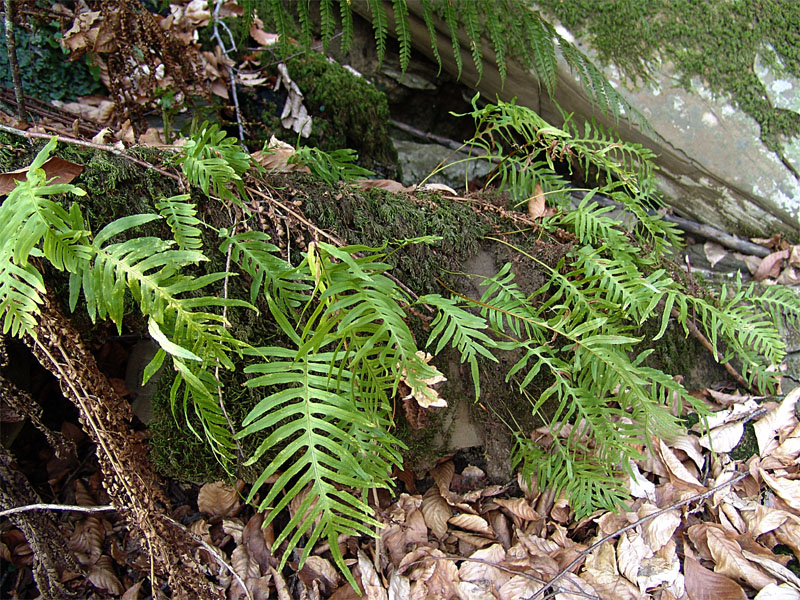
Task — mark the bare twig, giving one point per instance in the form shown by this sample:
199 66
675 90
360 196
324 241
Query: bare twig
225 50
645 519
212 551
61 507
698 335
11 47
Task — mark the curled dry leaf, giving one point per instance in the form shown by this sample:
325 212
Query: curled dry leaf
468 590
657 532
436 512
779 420
730 561
631 554
783 591
536 203
218 499
702 584
399 586
474 523
723 439
714 252
102 576
481 567
370 581
789 449
770 266
519 587
132 593
519 508
788 490
390 185
442 475
675 466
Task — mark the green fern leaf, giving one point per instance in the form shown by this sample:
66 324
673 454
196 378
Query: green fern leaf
380 25
469 13
427 15
461 329
403 32
180 216
451 18
346 16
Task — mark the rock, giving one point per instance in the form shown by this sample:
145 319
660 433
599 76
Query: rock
417 161
713 166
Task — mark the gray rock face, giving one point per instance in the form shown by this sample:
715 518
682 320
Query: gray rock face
417 161
713 165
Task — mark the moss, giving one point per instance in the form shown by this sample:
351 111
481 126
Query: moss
716 41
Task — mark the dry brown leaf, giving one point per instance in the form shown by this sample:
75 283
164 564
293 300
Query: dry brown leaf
436 512
770 265
714 252
473 539
789 449
788 490
702 584
390 185
723 439
779 420
437 187
243 563
481 568
280 585
57 170
499 524
425 395
92 108
730 562
631 553
675 466
468 590
783 591
658 531
774 568
519 508
518 587
399 586
132 593
263 38
536 203
765 519
442 475
433 576
691 446
638 484
561 511
218 499
259 540
474 523
102 576
724 399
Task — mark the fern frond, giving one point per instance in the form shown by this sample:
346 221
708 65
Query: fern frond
180 216
21 290
540 36
403 32
456 327
469 14
306 26
496 37
778 301
327 22
380 26
451 19
327 447
346 16
213 161
254 254
427 15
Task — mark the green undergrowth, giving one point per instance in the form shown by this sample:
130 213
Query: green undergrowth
328 340
715 41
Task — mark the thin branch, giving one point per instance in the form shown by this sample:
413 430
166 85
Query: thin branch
212 551
645 519
218 23
698 335
11 48
61 507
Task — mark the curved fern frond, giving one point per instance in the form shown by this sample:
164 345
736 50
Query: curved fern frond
328 446
403 32
380 26
346 16
456 327
469 14
21 290
427 16
180 215
213 161
451 18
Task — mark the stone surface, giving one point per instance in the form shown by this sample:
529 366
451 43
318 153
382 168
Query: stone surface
417 161
713 166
